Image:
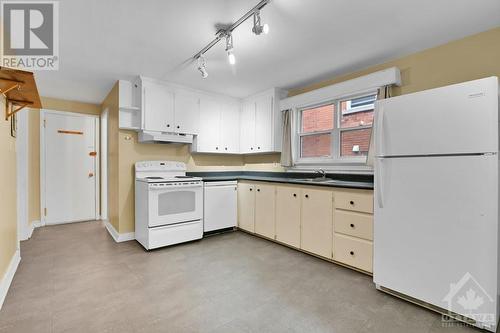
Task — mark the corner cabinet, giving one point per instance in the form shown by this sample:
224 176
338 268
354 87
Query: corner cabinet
261 123
219 130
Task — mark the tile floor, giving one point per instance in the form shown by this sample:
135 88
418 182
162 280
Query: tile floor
75 278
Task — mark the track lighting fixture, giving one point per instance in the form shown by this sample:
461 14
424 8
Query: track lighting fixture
258 28
226 32
202 66
229 48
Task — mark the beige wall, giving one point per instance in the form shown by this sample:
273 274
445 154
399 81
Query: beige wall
8 210
34 146
466 59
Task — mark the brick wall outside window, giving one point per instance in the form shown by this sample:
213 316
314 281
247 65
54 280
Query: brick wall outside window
323 119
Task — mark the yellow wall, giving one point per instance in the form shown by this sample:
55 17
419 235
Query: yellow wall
34 146
8 210
462 60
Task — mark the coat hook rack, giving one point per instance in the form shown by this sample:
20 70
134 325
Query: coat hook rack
19 89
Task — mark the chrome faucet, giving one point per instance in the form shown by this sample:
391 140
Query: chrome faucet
321 172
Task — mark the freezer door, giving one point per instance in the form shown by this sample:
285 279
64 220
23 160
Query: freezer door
435 220
457 119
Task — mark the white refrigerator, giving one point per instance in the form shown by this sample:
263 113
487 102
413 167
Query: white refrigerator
436 199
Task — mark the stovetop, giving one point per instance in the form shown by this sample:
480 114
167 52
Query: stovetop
178 179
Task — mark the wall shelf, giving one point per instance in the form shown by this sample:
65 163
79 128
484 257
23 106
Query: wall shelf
19 89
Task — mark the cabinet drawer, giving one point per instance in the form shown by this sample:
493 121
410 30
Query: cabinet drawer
353 224
353 252
355 200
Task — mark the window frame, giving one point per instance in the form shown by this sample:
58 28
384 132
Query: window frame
335 146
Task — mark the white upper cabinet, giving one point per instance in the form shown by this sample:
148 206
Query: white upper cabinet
217 123
247 127
230 128
187 112
264 123
261 123
219 130
157 107
208 138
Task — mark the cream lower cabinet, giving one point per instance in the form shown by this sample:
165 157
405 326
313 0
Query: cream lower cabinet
317 221
246 206
333 223
288 215
265 198
353 228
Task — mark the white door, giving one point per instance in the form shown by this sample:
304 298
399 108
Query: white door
247 124
457 119
209 136
436 218
158 106
69 170
230 119
187 112
263 123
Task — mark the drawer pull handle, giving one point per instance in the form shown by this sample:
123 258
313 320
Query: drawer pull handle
351 202
258 190
352 225
351 253
307 195
295 194
250 189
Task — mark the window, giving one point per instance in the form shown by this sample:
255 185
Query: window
336 132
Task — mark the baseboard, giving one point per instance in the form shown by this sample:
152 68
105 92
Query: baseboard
116 235
8 276
36 224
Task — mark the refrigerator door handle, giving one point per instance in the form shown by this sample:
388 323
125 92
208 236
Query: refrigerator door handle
380 132
379 182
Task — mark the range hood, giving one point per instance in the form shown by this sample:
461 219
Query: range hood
164 137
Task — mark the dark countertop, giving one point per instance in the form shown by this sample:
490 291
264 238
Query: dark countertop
338 180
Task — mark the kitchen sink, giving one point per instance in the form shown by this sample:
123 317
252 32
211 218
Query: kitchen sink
315 180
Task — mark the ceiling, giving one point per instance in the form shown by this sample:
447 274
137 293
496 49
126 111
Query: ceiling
102 41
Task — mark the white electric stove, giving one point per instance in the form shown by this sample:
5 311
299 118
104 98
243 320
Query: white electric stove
168 204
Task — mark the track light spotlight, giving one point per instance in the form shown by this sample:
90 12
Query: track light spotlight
258 28
229 48
202 66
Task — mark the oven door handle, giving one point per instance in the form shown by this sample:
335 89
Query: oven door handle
174 187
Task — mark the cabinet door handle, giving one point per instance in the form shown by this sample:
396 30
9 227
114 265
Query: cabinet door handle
307 195
351 253
295 194
250 189
352 225
168 125
351 202
258 190
178 126
251 148
225 148
216 148
258 147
